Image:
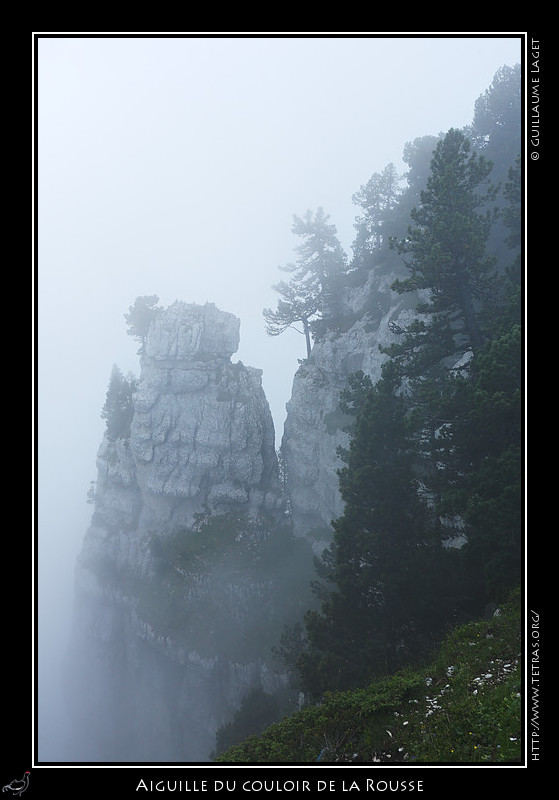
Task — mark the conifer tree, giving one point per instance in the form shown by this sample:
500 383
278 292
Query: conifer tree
453 276
392 586
378 199
310 293
496 130
436 440
140 316
385 595
481 450
118 409
446 250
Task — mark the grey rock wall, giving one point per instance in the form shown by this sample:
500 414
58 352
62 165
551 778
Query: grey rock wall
202 435
164 646
314 426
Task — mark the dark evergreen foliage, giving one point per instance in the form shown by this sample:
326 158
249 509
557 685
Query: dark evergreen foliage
496 131
389 575
118 409
378 199
435 449
140 316
258 710
446 247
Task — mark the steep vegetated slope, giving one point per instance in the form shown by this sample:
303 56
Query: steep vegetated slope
462 707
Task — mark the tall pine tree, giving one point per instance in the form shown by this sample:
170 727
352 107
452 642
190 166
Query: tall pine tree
453 276
482 452
385 596
391 585
445 251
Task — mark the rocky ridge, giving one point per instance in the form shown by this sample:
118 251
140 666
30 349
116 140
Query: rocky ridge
176 567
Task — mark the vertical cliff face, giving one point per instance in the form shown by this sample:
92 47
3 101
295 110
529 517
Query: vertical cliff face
183 582
315 426
202 436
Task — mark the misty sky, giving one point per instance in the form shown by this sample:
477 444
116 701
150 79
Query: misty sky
173 166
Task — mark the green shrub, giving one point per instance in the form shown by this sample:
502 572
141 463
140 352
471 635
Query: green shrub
463 707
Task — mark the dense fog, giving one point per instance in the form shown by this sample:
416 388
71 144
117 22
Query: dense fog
173 166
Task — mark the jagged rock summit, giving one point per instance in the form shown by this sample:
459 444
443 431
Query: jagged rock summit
202 436
190 332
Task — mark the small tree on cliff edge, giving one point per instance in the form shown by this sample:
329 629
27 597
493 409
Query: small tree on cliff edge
310 291
118 409
140 316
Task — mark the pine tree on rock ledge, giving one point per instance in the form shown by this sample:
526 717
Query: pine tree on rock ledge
310 292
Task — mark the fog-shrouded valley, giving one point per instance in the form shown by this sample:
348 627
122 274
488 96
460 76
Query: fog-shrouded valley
278 354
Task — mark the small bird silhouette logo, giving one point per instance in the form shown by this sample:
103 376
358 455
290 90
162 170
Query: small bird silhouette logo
17 787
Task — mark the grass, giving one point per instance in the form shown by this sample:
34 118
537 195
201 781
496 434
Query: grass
463 707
